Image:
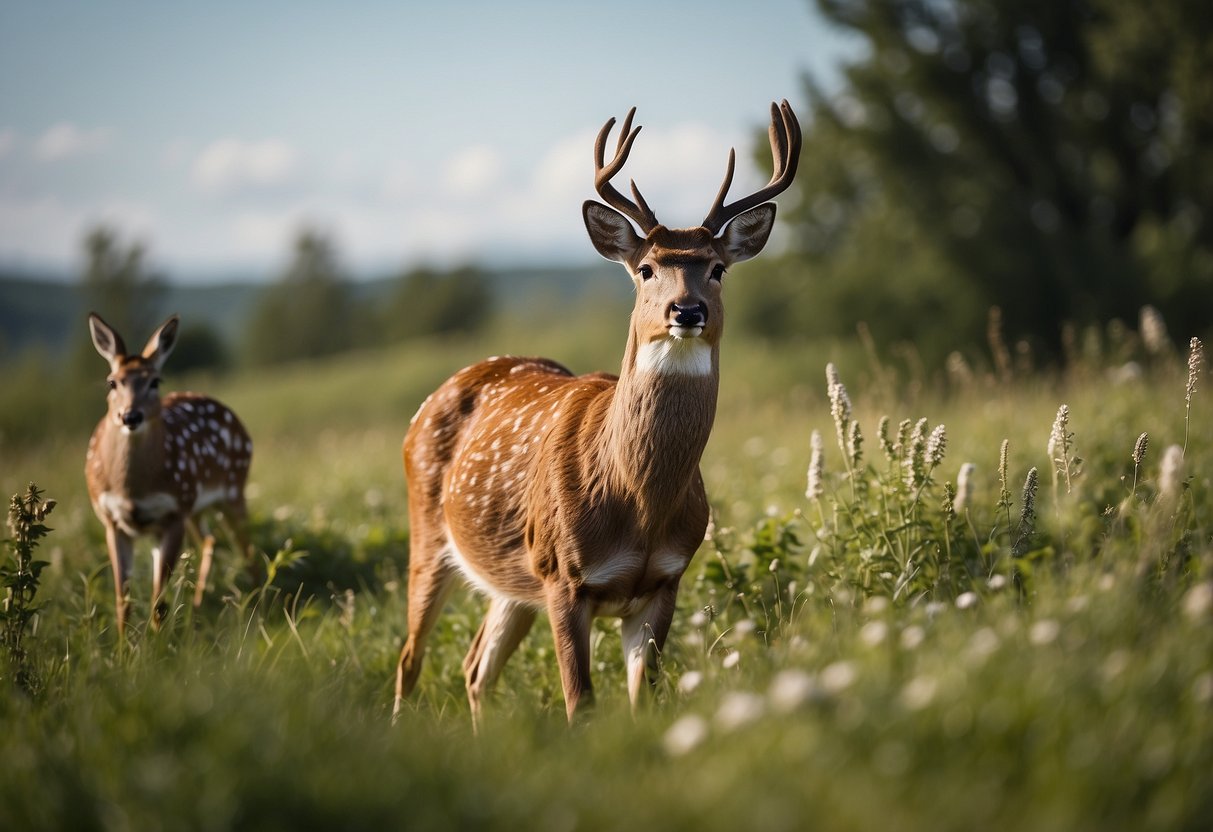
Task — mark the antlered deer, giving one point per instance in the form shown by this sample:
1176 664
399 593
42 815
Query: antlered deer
153 464
582 495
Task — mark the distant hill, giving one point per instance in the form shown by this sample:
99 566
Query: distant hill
44 314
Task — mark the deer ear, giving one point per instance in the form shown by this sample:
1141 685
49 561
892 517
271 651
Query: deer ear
107 342
747 233
162 342
610 232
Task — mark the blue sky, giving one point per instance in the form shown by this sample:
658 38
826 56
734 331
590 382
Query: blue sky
436 132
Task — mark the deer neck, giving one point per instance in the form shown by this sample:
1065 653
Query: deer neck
660 419
133 459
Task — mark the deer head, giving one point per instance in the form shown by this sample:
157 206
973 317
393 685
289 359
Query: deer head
679 316
134 380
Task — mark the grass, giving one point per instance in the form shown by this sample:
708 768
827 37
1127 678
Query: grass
870 658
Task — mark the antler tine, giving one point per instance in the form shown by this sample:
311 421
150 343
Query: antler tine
722 193
644 206
638 211
784 134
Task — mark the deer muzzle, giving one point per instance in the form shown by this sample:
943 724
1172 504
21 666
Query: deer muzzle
687 321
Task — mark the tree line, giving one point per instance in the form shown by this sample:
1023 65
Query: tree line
1053 159
1050 159
310 310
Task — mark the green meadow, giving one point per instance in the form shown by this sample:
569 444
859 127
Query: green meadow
902 647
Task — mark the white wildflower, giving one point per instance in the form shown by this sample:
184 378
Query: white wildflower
1198 601
937 446
983 642
1154 331
873 633
1139 448
1170 478
689 681
876 605
790 689
964 487
739 708
816 467
837 677
1044 631
912 637
919 692
685 735
1196 357
840 405
915 473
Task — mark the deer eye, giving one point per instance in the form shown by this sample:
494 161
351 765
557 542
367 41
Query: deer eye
718 272
111 384
645 272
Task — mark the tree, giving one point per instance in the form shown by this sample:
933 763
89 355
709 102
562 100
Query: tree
199 347
118 285
308 312
431 302
1052 158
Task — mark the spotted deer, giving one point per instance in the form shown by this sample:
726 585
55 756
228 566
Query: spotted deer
581 495
153 464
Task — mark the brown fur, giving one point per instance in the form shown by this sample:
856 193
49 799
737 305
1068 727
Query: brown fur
187 452
580 495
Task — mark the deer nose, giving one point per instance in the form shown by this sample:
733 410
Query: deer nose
132 418
691 315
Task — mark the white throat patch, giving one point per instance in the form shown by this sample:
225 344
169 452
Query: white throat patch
675 356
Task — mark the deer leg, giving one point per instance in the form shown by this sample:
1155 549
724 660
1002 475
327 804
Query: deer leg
122 554
644 634
570 618
430 579
164 558
235 517
205 541
503 629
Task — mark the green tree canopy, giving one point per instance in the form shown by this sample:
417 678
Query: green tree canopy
431 302
1049 157
118 285
307 313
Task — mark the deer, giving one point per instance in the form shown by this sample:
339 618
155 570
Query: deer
581 495
153 465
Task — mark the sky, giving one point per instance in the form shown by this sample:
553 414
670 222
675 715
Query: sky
410 133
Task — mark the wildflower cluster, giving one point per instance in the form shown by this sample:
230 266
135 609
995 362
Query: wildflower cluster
19 576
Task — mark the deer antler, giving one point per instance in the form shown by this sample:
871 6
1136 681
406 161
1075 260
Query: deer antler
785 149
638 211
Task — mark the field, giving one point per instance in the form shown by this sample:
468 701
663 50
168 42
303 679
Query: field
899 650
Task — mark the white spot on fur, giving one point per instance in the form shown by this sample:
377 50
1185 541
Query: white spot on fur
675 356
208 497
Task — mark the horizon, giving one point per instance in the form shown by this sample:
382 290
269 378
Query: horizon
410 137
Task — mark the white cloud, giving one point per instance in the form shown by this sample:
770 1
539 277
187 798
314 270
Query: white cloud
678 171
473 171
48 229
8 141
230 165
176 153
399 182
384 211
65 140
